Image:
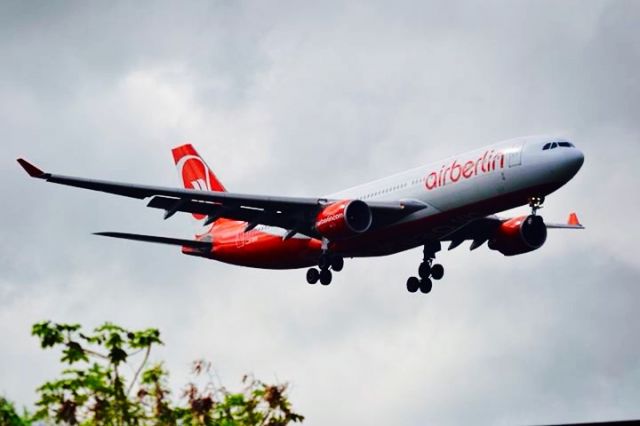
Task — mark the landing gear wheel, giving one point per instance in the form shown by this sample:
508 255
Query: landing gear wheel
428 270
337 263
437 271
425 285
324 262
325 277
313 275
413 284
424 270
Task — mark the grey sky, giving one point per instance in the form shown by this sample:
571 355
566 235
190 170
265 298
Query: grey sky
305 99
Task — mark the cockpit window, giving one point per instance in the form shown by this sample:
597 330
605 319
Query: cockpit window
552 145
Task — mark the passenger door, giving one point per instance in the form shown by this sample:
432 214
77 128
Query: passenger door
514 154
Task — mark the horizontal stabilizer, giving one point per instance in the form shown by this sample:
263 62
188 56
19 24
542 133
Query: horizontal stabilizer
201 245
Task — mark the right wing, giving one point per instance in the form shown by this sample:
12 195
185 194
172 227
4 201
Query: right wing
482 229
296 214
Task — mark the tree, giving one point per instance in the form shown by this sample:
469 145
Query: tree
93 389
9 416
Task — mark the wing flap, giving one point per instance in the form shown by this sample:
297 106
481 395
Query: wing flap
187 206
283 219
478 230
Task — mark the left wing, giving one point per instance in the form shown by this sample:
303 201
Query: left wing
296 214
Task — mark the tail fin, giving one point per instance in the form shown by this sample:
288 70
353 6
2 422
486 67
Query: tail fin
194 172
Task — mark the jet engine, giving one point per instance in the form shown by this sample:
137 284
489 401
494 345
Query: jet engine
519 235
344 219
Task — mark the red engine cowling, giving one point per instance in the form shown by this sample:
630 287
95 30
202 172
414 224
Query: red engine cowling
344 219
519 235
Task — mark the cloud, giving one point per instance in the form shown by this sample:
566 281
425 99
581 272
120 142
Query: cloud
304 100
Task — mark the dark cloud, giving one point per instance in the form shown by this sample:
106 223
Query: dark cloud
307 99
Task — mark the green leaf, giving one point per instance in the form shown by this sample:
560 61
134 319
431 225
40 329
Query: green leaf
73 353
49 335
153 374
117 355
235 399
144 338
9 416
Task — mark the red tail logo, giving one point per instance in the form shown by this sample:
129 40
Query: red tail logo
194 172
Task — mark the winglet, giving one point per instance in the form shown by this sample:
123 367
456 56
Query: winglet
573 220
31 169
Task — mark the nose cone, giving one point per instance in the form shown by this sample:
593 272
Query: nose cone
577 159
572 162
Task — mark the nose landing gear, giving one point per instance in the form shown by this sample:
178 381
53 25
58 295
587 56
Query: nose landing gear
536 204
427 270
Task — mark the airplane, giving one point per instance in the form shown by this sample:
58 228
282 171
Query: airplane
453 200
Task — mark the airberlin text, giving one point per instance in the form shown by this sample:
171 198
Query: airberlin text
486 163
330 219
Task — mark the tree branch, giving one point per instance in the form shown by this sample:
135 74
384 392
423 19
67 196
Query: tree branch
94 353
135 376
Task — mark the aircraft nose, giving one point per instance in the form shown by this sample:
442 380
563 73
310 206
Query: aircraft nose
578 159
573 160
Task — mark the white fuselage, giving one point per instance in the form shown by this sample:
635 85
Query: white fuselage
460 189
495 170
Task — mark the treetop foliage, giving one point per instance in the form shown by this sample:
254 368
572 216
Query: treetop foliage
108 380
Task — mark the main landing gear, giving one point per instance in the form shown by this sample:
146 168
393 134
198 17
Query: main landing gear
427 270
323 273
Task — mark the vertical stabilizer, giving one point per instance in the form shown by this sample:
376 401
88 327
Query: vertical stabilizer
194 172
